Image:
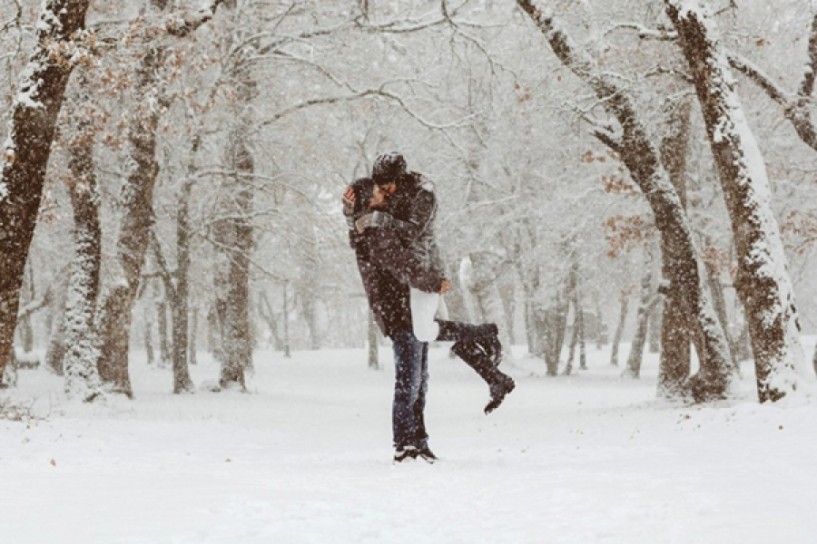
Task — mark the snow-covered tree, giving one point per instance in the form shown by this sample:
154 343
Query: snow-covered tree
28 147
762 282
642 159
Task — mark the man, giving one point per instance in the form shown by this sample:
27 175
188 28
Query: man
389 301
391 217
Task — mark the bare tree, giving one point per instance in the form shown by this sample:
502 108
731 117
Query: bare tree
114 315
643 161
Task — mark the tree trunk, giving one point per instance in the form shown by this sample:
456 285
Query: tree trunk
183 353
642 161
191 337
675 362
645 307
762 282
81 374
574 340
135 227
24 325
654 327
266 313
28 147
148 339
285 320
719 299
234 239
161 326
582 345
556 325
624 299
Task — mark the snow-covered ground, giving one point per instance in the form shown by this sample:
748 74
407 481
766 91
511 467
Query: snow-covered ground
305 457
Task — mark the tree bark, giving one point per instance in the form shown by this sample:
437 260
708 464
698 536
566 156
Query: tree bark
762 282
183 353
25 156
81 374
675 362
235 240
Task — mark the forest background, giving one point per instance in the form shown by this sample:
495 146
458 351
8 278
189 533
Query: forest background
172 175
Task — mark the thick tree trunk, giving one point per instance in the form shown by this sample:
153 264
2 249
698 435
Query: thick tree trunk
81 374
675 359
234 239
183 353
762 282
135 227
642 161
28 147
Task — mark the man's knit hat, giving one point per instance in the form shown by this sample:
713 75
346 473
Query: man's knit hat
388 167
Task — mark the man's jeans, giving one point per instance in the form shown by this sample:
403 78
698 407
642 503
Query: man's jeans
410 386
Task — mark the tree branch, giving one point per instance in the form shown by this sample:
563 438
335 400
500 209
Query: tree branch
807 83
754 73
661 34
180 26
164 271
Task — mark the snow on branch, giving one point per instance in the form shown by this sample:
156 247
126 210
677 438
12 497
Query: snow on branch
760 78
795 108
807 84
367 93
661 34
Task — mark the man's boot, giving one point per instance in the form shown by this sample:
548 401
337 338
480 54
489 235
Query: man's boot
475 356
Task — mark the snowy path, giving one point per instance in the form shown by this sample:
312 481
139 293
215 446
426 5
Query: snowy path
305 458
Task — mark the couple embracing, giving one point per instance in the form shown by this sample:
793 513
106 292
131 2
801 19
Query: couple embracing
391 220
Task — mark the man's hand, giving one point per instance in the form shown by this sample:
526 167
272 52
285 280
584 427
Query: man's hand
445 287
